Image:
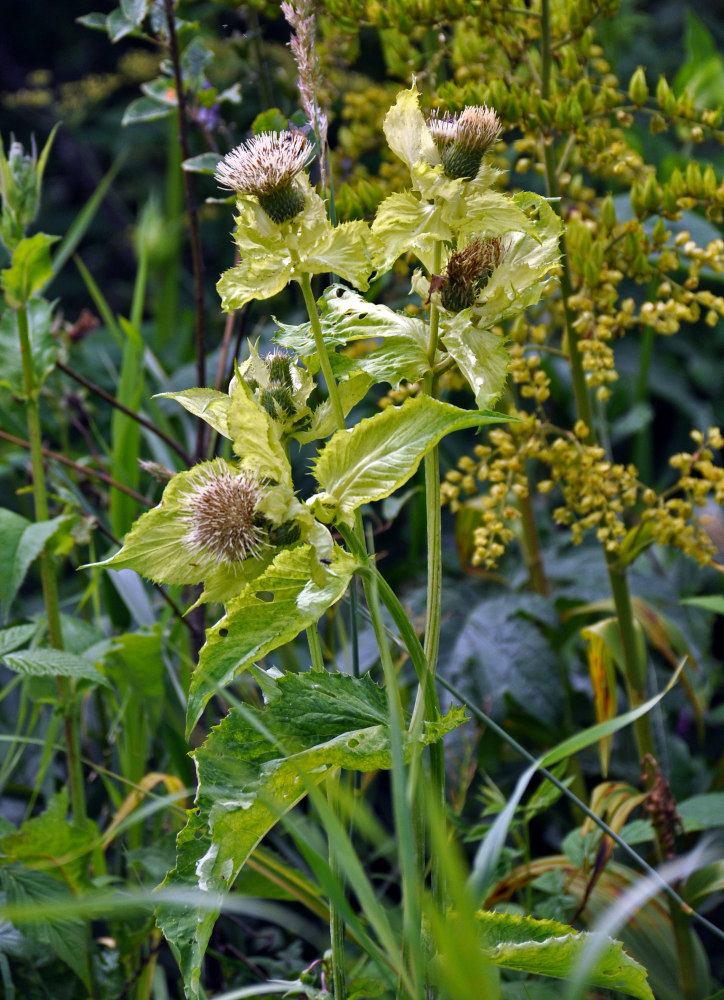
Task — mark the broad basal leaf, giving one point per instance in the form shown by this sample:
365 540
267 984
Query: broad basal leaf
252 769
547 948
289 596
382 452
480 355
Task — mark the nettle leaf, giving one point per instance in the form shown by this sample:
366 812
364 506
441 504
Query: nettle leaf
257 436
14 637
290 595
67 936
54 663
379 454
44 346
29 270
21 542
209 404
548 948
256 766
51 843
480 355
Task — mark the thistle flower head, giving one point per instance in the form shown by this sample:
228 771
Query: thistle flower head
468 272
221 513
443 127
266 166
463 139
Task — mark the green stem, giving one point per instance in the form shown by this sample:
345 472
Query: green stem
315 648
532 548
324 363
66 692
634 662
642 441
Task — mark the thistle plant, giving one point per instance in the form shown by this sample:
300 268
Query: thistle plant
271 559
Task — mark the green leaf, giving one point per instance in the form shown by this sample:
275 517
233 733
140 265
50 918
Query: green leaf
256 766
54 663
51 843
21 541
713 602
205 163
480 355
324 422
382 452
548 948
349 250
14 637
118 25
260 278
145 109
209 404
253 627
96 21
29 271
135 10
44 346
32 892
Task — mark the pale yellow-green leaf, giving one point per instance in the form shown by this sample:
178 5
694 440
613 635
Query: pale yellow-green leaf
257 437
406 131
379 454
210 405
404 222
480 354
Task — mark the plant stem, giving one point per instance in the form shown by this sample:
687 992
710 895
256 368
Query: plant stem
66 691
197 260
642 440
315 648
531 547
324 363
98 391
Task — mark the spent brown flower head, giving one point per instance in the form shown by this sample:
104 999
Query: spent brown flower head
266 166
221 513
468 272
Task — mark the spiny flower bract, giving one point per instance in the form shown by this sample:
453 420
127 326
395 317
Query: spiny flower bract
462 140
468 272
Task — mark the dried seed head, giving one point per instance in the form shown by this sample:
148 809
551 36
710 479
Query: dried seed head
468 272
266 166
222 516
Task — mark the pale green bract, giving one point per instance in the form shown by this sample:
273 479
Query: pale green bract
272 255
253 768
480 355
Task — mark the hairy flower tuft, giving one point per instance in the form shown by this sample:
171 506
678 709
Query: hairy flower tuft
463 139
468 272
221 514
266 166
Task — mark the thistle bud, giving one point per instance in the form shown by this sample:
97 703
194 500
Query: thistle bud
462 140
279 369
21 176
267 166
